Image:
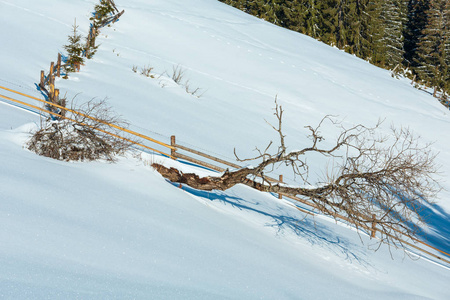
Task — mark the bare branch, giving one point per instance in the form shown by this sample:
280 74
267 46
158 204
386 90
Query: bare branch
374 177
84 136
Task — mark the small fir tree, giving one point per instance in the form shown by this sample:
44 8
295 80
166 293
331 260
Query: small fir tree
102 11
74 50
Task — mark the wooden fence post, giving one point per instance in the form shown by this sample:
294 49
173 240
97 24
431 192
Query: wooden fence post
172 143
58 66
63 103
374 226
280 179
52 67
51 92
56 96
41 83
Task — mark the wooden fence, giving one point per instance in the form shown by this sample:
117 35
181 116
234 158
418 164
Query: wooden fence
94 29
68 110
47 82
220 165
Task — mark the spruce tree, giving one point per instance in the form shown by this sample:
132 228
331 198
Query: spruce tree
342 25
389 33
291 16
74 50
373 32
416 21
433 53
357 25
102 11
393 15
313 20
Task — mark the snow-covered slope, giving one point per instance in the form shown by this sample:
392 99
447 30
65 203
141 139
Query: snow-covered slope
97 230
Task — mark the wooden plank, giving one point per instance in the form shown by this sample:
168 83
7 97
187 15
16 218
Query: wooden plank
199 162
58 66
208 156
56 96
374 226
280 179
98 129
92 118
172 143
42 80
52 68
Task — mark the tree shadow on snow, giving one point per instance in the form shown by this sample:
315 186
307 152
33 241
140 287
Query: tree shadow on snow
437 232
286 220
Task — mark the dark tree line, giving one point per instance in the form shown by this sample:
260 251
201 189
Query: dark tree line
393 34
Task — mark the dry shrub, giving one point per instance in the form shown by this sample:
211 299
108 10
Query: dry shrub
83 136
374 178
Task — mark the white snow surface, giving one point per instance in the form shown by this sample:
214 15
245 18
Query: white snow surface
120 231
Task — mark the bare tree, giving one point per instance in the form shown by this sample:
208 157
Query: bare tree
88 133
375 178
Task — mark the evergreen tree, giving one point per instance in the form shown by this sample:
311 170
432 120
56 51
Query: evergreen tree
416 22
74 50
342 24
393 15
102 11
434 46
357 26
313 20
388 33
373 32
291 15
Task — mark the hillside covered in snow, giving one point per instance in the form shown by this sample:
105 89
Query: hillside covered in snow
120 231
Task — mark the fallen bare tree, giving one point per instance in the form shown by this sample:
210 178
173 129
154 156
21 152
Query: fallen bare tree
86 135
375 179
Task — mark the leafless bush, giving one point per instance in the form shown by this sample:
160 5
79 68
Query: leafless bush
374 178
178 74
86 135
196 92
147 71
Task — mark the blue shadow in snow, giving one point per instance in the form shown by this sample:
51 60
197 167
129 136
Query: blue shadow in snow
438 222
313 232
41 91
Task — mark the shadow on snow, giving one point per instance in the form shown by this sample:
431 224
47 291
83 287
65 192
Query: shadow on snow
280 219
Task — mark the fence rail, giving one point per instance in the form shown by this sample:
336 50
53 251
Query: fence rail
174 154
62 116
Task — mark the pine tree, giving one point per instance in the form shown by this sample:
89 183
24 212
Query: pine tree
357 25
393 15
102 11
389 33
433 53
342 25
416 22
74 50
313 21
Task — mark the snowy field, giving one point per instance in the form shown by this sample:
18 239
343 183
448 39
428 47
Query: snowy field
120 231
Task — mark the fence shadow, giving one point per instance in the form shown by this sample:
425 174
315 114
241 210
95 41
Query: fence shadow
285 221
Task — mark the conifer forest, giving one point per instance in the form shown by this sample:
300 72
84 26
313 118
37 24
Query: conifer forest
409 37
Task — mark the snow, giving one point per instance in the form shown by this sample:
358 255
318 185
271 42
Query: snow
99 230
